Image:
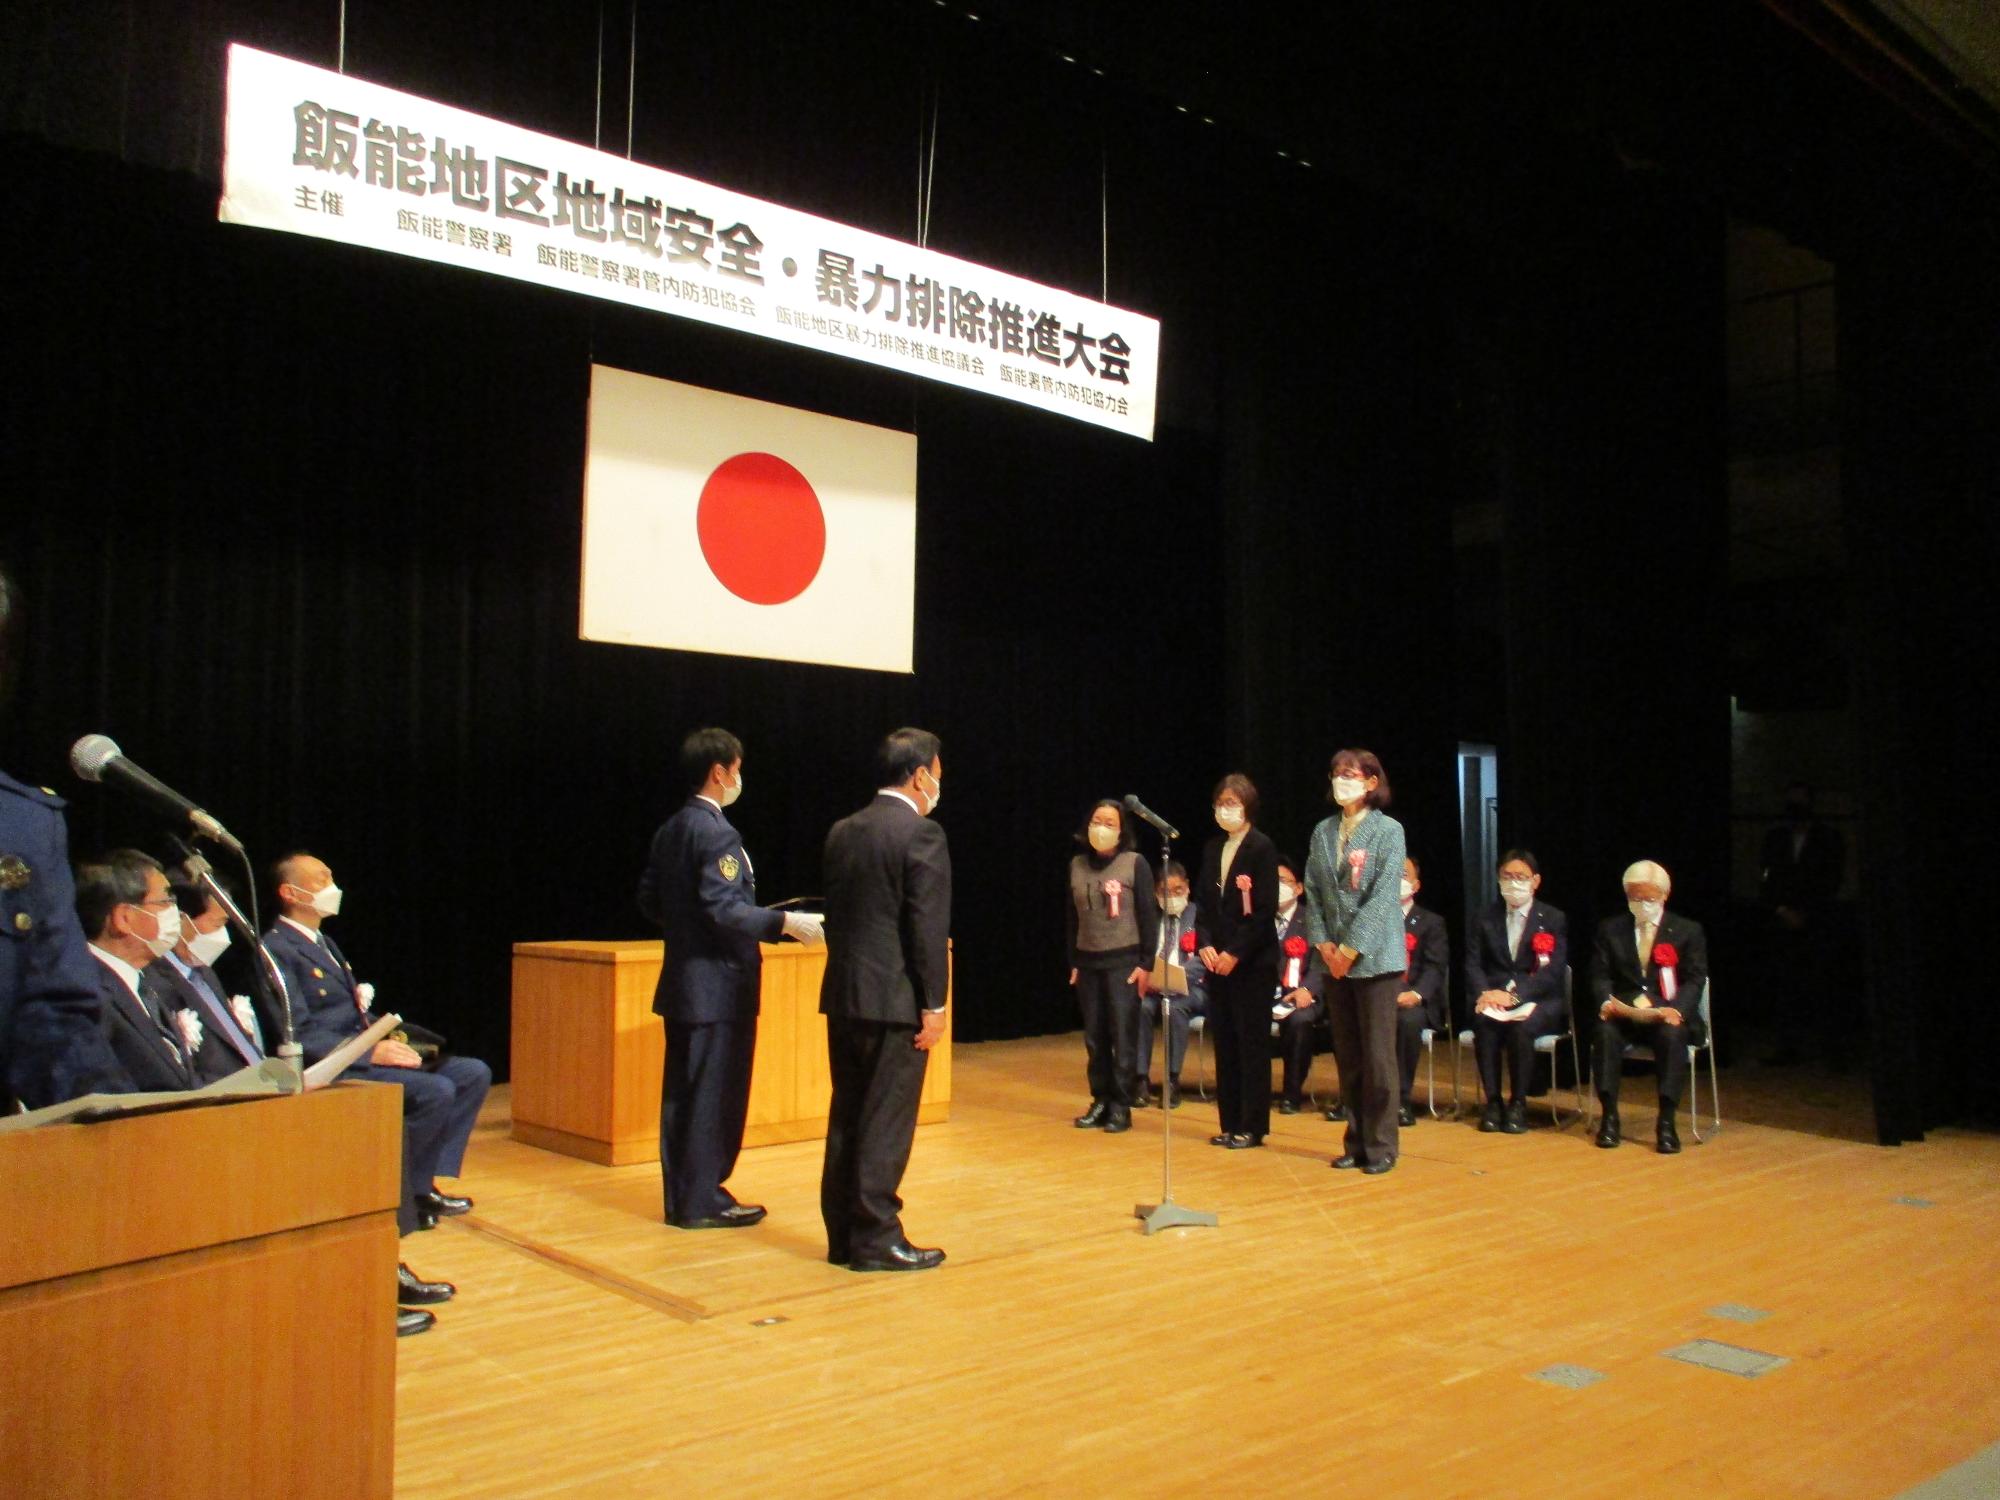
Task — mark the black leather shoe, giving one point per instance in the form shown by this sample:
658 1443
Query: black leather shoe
1406 1117
1608 1133
901 1256
1346 1163
1116 1118
1669 1138
411 1320
1288 1106
736 1216
1219 1140
1491 1117
1174 1094
1517 1118
443 1204
1377 1167
1242 1142
1142 1098
413 1292
838 1257
1335 1113
1092 1118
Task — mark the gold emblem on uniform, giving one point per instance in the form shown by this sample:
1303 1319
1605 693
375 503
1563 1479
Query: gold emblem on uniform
729 867
14 873
319 973
22 921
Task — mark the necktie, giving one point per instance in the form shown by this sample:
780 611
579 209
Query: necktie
1645 944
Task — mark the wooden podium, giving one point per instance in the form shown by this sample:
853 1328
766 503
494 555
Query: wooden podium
198 1302
588 1052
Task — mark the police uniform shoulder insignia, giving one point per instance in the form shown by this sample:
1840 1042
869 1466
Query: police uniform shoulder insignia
729 867
14 873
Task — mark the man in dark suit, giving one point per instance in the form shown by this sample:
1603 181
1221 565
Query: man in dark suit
1422 1000
1647 977
1519 956
698 885
328 1006
124 905
1297 1013
230 1037
888 973
1799 872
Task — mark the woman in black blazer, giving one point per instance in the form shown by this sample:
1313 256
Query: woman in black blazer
1236 896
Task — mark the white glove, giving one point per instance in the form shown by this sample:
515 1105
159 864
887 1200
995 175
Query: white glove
805 927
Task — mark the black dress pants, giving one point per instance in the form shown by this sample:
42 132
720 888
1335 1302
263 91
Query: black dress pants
704 1097
1110 1004
1410 1023
1239 1018
1295 1048
1363 1012
878 1078
1513 1041
1669 1046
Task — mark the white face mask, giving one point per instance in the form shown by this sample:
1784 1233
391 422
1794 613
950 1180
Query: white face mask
1405 891
1103 838
207 947
1518 894
1175 905
325 900
1229 819
167 931
731 793
1287 894
936 793
1646 911
1348 790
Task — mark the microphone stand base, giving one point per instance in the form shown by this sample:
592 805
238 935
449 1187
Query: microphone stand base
1170 1215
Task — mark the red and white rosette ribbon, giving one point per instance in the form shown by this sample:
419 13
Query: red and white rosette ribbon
1243 885
1295 958
1666 960
1544 945
1409 951
1188 944
1356 858
1113 889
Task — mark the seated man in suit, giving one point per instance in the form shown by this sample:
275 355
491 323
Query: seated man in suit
1647 977
130 918
230 1037
1422 1000
1519 956
1296 1011
1175 950
328 1006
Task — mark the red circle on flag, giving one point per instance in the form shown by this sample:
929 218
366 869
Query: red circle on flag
761 527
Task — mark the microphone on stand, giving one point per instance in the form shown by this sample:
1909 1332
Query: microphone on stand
96 757
1139 810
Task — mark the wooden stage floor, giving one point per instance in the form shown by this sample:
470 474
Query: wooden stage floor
1335 1333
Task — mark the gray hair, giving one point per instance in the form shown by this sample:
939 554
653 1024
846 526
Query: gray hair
1647 872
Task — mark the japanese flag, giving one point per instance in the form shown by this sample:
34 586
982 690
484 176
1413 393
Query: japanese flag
717 523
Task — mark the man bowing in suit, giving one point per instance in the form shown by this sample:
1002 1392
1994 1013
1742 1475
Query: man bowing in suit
888 924
699 887
1648 976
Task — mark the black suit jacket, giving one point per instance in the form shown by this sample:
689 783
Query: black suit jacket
1220 921
139 1035
888 915
1429 961
1490 966
1808 880
218 1056
1615 971
699 888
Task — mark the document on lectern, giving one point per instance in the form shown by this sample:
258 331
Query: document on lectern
349 1052
258 1081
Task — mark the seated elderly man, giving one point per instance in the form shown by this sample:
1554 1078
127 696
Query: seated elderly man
130 917
1647 975
328 1006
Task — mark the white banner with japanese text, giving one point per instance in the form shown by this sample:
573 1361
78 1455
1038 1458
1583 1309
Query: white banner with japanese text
322 154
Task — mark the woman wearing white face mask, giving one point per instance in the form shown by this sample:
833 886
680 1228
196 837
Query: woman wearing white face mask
1236 900
1354 916
1112 927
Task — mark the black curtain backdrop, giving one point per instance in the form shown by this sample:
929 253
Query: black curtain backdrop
300 524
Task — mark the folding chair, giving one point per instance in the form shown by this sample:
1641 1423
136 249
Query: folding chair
1695 1051
1545 1046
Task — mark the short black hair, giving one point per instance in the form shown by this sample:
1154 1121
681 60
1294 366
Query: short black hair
704 748
110 881
190 895
903 753
1285 861
1415 864
1125 839
1524 856
1246 793
1173 869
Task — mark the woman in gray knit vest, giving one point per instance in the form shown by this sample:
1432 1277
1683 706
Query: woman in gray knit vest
1113 926
1355 918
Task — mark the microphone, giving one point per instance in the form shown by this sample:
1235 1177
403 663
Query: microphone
96 757
1139 810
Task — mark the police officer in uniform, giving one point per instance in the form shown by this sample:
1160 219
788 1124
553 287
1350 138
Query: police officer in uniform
699 887
52 1044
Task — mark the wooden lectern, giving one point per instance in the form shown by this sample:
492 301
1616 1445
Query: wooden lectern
198 1302
588 1052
